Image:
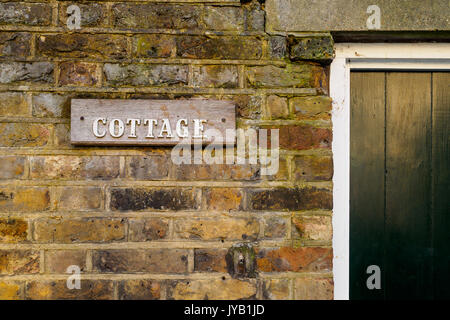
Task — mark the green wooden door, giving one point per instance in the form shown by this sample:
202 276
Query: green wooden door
399 185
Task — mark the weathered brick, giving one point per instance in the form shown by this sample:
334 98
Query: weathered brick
52 167
24 199
58 290
92 14
152 167
74 167
16 44
248 107
13 230
276 289
30 14
277 47
290 199
145 75
155 198
313 168
67 230
217 228
312 227
277 107
149 260
24 134
148 229
78 45
216 76
79 198
223 199
155 46
282 173
23 72
139 290
103 168
303 259
318 107
199 172
200 47
11 290
62 135
311 48
313 289
78 74
275 227
255 17
51 105
303 137
210 260
224 18
214 289
19 262
156 16
57 261
293 75
13 104
247 172
12 167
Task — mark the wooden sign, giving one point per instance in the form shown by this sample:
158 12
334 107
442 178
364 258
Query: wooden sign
151 122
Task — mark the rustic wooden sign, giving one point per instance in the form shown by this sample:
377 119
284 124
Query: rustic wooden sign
151 122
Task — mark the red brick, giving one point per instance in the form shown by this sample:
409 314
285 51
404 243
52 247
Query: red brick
304 259
304 137
78 74
210 260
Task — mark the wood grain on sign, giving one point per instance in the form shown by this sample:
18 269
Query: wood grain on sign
151 122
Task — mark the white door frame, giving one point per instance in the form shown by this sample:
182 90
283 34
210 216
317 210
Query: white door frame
367 56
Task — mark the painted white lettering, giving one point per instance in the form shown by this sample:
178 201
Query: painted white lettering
165 128
182 130
198 128
95 127
133 123
120 127
150 123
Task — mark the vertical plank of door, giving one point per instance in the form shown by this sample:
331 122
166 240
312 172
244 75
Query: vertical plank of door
408 181
366 180
441 183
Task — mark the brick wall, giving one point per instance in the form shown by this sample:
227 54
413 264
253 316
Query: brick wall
136 224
